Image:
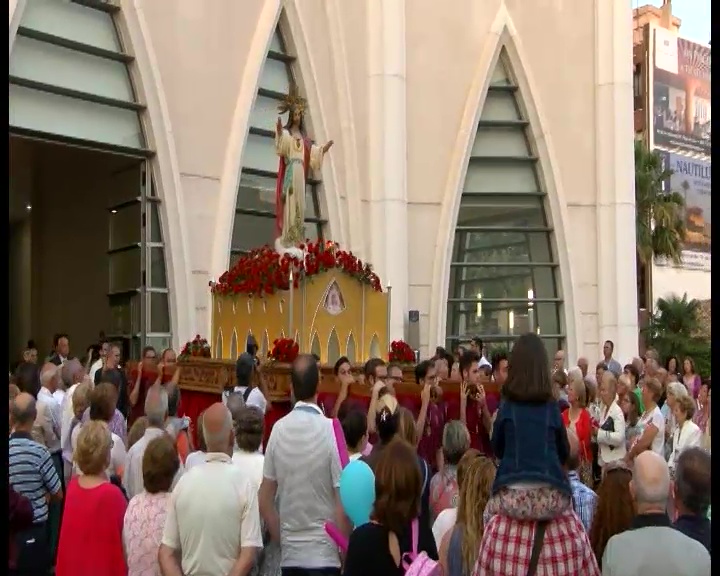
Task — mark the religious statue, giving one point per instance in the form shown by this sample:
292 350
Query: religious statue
297 155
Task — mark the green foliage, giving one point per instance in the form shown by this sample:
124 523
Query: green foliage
671 332
660 224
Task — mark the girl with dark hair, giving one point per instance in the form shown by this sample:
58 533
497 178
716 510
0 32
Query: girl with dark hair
529 440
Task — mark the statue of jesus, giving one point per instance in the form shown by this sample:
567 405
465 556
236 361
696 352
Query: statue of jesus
297 155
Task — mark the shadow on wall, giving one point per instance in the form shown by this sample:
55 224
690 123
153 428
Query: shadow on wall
59 238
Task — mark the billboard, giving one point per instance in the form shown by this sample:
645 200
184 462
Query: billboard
680 113
691 178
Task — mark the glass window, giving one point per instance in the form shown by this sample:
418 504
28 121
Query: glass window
276 43
159 317
72 21
44 112
260 153
264 113
155 231
125 270
275 76
158 277
57 66
124 314
252 231
503 274
125 226
500 106
258 193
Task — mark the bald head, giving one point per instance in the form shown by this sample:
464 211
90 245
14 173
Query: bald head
573 460
650 484
72 372
23 410
583 365
218 429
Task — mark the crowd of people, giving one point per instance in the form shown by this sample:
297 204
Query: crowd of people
534 469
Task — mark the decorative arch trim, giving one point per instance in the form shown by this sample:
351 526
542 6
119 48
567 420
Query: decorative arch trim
16 11
166 172
502 34
232 166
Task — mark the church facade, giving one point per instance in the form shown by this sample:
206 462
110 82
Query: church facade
482 158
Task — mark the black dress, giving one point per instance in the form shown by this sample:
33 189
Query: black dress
369 553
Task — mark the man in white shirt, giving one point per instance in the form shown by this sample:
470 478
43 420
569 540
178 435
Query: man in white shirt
47 424
156 411
476 345
73 372
100 362
212 524
302 473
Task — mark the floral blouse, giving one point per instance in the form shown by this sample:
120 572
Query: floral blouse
142 532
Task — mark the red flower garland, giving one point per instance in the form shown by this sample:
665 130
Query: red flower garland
284 350
401 352
263 271
198 347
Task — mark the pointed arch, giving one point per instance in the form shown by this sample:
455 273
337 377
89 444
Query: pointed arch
351 348
375 351
247 205
265 345
234 345
333 349
126 112
515 181
219 344
315 346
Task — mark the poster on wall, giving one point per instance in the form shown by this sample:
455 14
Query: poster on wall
681 94
691 178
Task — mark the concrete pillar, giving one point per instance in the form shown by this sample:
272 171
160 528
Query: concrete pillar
388 153
615 180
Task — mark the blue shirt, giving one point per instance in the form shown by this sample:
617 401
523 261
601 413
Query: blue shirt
530 441
31 472
584 500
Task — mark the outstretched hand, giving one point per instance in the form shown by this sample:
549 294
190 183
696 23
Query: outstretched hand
327 146
279 126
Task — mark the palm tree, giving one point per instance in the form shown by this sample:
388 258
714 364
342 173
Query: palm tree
660 224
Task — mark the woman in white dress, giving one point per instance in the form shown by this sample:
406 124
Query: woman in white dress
610 430
652 422
687 434
298 155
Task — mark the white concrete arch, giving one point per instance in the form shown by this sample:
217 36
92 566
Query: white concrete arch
16 11
232 165
502 35
166 171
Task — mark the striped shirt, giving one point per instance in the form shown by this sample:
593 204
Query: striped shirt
32 473
301 456
584 500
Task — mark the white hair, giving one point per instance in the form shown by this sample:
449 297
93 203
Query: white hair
218 441
156 407
48 375
575 373
677 389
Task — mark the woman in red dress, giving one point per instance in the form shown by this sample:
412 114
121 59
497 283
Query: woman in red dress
91 532
578 418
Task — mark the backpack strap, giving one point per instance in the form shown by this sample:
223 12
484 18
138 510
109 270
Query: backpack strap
414 530
537 547
340 443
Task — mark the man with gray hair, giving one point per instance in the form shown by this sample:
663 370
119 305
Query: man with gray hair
73 373
212 524
156 412
47 424
691 492
652 546
32 474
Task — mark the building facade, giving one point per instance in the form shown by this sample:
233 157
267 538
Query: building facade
482 161
672 115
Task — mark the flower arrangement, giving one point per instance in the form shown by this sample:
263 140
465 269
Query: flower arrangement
264 271
401 352
197 348
284 350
